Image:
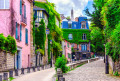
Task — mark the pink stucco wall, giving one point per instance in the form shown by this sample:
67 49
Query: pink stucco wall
5 26
67 50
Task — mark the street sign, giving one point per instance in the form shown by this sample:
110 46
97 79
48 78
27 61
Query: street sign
47 31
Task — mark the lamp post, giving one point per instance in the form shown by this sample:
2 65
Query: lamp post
51 52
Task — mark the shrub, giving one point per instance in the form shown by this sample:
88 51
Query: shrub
2 42
61 63
116 73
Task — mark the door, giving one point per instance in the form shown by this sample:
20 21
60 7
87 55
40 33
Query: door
18 60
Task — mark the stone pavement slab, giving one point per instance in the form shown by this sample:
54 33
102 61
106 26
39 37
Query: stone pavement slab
94 71
43 75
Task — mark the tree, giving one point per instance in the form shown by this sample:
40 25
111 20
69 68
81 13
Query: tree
97 40
68 18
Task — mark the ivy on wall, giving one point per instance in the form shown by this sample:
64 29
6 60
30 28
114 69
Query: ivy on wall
40 35
8 44
77 35
55 31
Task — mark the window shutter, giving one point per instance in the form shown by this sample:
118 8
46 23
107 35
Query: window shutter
26 36
16 31
20 7
24 11
42 14
20 32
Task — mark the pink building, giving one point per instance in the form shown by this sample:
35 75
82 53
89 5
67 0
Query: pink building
15 20
67 49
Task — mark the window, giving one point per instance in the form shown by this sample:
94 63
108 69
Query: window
84 37
68 45
4 4
84 47
69 55
70 37
70 25
39 15
83 26
72 45
78 46
75 25
26 36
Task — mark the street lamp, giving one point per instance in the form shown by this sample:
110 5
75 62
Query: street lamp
51 52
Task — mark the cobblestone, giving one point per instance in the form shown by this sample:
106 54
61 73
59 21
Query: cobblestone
94 71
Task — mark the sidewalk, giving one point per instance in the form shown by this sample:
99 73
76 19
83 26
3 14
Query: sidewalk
94 71
43 75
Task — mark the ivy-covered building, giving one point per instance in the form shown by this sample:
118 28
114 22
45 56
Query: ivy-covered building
78 34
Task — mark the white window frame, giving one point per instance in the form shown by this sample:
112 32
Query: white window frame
5 5
70 36
70 24
84 37
83 45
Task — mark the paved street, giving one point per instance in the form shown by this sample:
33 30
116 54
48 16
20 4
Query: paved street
44 75
94 71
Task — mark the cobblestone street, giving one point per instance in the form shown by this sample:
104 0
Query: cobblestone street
94 71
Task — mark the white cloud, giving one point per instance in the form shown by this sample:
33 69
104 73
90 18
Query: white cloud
65 6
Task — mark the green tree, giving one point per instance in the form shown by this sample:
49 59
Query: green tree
68 17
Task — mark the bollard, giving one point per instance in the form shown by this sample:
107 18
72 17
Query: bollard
28 70
10 73
60 75
0 77
5 76
38 68
22 70
33 69
62 79
16 72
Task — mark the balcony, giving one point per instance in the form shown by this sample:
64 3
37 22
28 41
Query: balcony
23 20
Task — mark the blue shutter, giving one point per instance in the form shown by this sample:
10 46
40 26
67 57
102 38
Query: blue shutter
20 7
20 32
24 11
16 31
26 36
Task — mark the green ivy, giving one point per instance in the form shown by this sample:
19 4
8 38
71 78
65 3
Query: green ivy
55 31
77 35
40 35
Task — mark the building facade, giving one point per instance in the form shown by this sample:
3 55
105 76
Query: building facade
41 13
15 20
77 32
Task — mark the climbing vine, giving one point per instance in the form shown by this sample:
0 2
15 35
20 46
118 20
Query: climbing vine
55 31
40 35
76 34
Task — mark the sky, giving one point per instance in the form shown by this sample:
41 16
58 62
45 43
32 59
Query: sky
65 6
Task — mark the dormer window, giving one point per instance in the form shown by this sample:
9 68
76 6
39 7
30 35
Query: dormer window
83 25
69 25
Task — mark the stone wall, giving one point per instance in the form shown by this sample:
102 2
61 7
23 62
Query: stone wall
32 48
6 61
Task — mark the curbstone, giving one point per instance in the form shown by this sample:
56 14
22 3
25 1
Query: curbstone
5 76
10 73
0 77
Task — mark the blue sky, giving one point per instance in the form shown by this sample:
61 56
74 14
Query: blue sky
65 6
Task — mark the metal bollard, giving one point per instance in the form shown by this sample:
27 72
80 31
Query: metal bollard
38 68
22 70
16 72
10 73
60 75
0 77
5 76
62 79
28 70
33 69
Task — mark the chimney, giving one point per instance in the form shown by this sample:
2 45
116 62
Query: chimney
72 15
